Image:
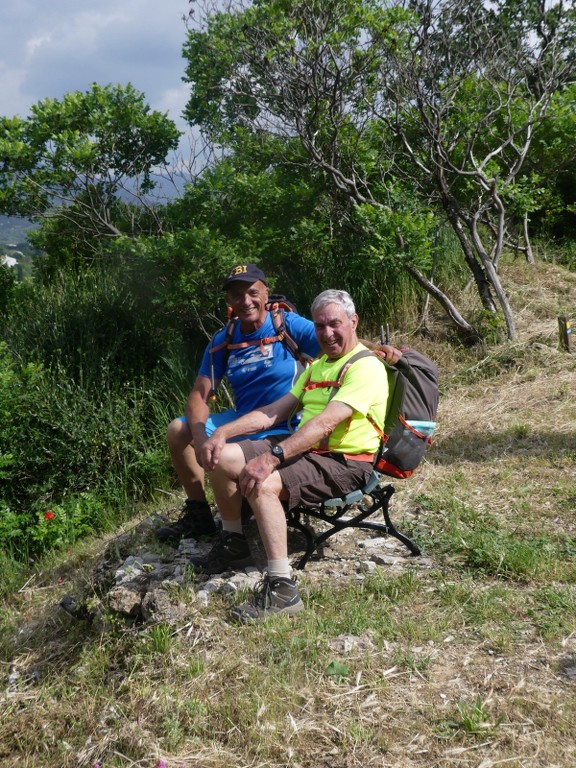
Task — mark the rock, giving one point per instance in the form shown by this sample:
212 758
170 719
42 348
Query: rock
75 608
376 543
347 643
245 580
130 568
203 597
190 547
158 606
141 580
126 601
381 559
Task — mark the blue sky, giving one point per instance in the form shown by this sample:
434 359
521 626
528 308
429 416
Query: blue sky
51 48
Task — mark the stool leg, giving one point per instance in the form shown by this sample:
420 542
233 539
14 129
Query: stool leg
293 520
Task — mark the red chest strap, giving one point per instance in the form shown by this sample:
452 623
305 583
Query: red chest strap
243 344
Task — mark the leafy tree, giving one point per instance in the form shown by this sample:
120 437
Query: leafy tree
7 284
552 167
409 108
76 164
264 203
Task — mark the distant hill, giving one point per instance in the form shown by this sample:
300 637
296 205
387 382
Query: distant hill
14 243
14 231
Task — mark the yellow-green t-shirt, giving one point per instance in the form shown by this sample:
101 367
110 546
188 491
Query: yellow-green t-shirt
365 390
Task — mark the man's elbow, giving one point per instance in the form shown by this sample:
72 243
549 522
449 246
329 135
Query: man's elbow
326 426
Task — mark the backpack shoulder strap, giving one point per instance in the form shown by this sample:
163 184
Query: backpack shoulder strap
278 308
337 383
225 346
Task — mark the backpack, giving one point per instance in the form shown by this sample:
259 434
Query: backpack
277 305
410 410
410 413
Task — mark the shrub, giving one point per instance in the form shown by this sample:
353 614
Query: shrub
70 456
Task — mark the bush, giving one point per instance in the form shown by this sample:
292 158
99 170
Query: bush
70 457
84 322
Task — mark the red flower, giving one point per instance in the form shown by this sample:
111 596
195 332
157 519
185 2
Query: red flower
49 515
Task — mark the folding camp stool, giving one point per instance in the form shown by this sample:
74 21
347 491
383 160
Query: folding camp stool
350 511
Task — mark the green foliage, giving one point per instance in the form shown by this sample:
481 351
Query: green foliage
65 523
71 157
366 89
563 252
480 544
181 275
262 204
73 144
472 719
552 610
287 36
160 638
551 168
70 455
337 670
7 284
85 323
90 376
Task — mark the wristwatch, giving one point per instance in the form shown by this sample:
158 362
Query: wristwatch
278 452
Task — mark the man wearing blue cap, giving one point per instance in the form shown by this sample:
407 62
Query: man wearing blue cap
259 369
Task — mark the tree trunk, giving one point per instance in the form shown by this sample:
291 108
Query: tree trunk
478 273
468 331
492 276
527 243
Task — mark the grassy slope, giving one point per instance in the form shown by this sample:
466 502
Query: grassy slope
464 657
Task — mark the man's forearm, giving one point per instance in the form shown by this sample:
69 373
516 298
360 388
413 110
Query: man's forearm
261 419
249 424
314 431
197 413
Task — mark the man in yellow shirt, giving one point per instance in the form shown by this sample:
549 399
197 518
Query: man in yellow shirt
329 455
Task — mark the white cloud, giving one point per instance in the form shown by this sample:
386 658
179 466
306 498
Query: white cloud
35 43
50 49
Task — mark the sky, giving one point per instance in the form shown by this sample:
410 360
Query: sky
48 49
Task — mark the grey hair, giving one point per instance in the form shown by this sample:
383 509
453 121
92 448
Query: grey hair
332 296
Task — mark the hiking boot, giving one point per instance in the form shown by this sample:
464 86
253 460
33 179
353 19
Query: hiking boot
273 595
196 520
230 553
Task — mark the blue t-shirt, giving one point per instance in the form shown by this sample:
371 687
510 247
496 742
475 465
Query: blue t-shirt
261 373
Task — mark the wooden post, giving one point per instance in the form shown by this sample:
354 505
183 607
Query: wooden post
565 331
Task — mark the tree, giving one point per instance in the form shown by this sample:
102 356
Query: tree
552 169
264 203
80 163
423 107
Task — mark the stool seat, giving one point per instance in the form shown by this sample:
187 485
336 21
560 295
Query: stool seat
350 511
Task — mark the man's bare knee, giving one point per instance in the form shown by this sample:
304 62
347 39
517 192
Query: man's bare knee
178 434
231 461
272 488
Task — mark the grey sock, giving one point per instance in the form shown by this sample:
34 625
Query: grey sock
279 568
232 526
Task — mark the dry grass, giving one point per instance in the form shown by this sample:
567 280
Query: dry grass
465 657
